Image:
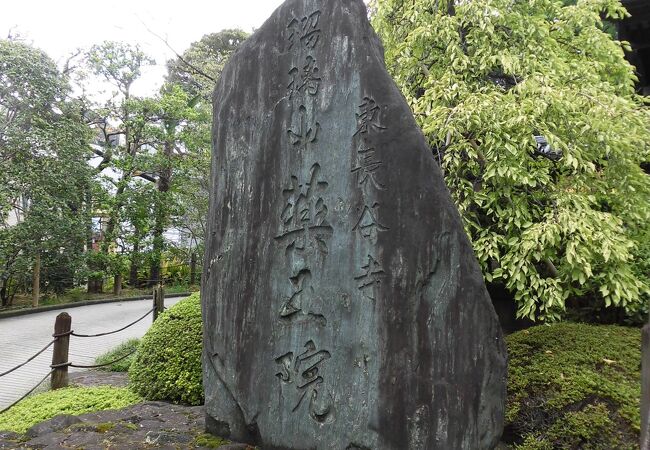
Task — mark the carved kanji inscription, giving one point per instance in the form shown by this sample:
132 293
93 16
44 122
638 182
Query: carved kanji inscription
305 133
370 278
368 117
304 80
304 215
304 31
303 372
368 225
368 168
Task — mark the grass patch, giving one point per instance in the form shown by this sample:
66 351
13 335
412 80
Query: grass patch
118 352
73 401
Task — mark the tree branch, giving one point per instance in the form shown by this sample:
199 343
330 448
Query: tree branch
180 58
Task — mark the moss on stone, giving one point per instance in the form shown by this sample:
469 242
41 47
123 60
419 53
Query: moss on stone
209 441
104 427
573 386
73 401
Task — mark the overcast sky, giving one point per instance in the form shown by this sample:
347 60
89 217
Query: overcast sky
59 27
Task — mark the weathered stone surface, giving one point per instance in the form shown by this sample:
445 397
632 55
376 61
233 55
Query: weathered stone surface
148 425
54 424
343 305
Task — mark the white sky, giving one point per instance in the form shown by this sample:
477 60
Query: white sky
60 26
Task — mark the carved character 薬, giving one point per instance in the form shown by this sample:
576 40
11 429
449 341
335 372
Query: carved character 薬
304 215
303 372
304 31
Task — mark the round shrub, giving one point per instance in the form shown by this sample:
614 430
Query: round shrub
574 386
167 365
73 401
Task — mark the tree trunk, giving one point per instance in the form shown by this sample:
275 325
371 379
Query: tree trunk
158 241
645 387
36 280
117 286
4 297
135 256
193 269
164 181
95 285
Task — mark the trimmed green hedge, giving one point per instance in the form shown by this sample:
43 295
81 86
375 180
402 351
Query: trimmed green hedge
574 386
167 365
73 401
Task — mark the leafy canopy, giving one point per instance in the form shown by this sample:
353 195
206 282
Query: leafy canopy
483 78
44 173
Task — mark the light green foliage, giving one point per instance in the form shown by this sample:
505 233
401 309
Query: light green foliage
574 386
73 401
168 363
118 352
484 77
118 63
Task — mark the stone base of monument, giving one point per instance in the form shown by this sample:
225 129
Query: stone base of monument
343 305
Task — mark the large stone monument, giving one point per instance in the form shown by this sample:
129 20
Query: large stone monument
343 305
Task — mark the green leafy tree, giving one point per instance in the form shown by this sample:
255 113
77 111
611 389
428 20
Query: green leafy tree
175 111
44 172
199 67
123 122
196 71
483 78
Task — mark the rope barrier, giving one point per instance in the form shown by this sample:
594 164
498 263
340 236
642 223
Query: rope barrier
58 366
97 366
54 367
112 332
30 391
67 333
30 359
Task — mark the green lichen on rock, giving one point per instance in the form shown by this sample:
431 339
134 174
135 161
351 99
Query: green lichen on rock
209 441
72 401
167 365
574 386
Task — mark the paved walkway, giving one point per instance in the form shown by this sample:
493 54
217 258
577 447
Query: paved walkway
21 337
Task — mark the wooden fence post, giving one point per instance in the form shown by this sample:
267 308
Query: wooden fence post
158 301
60 351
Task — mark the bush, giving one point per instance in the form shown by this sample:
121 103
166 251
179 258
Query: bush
118 352
167 365
574 386
72 401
